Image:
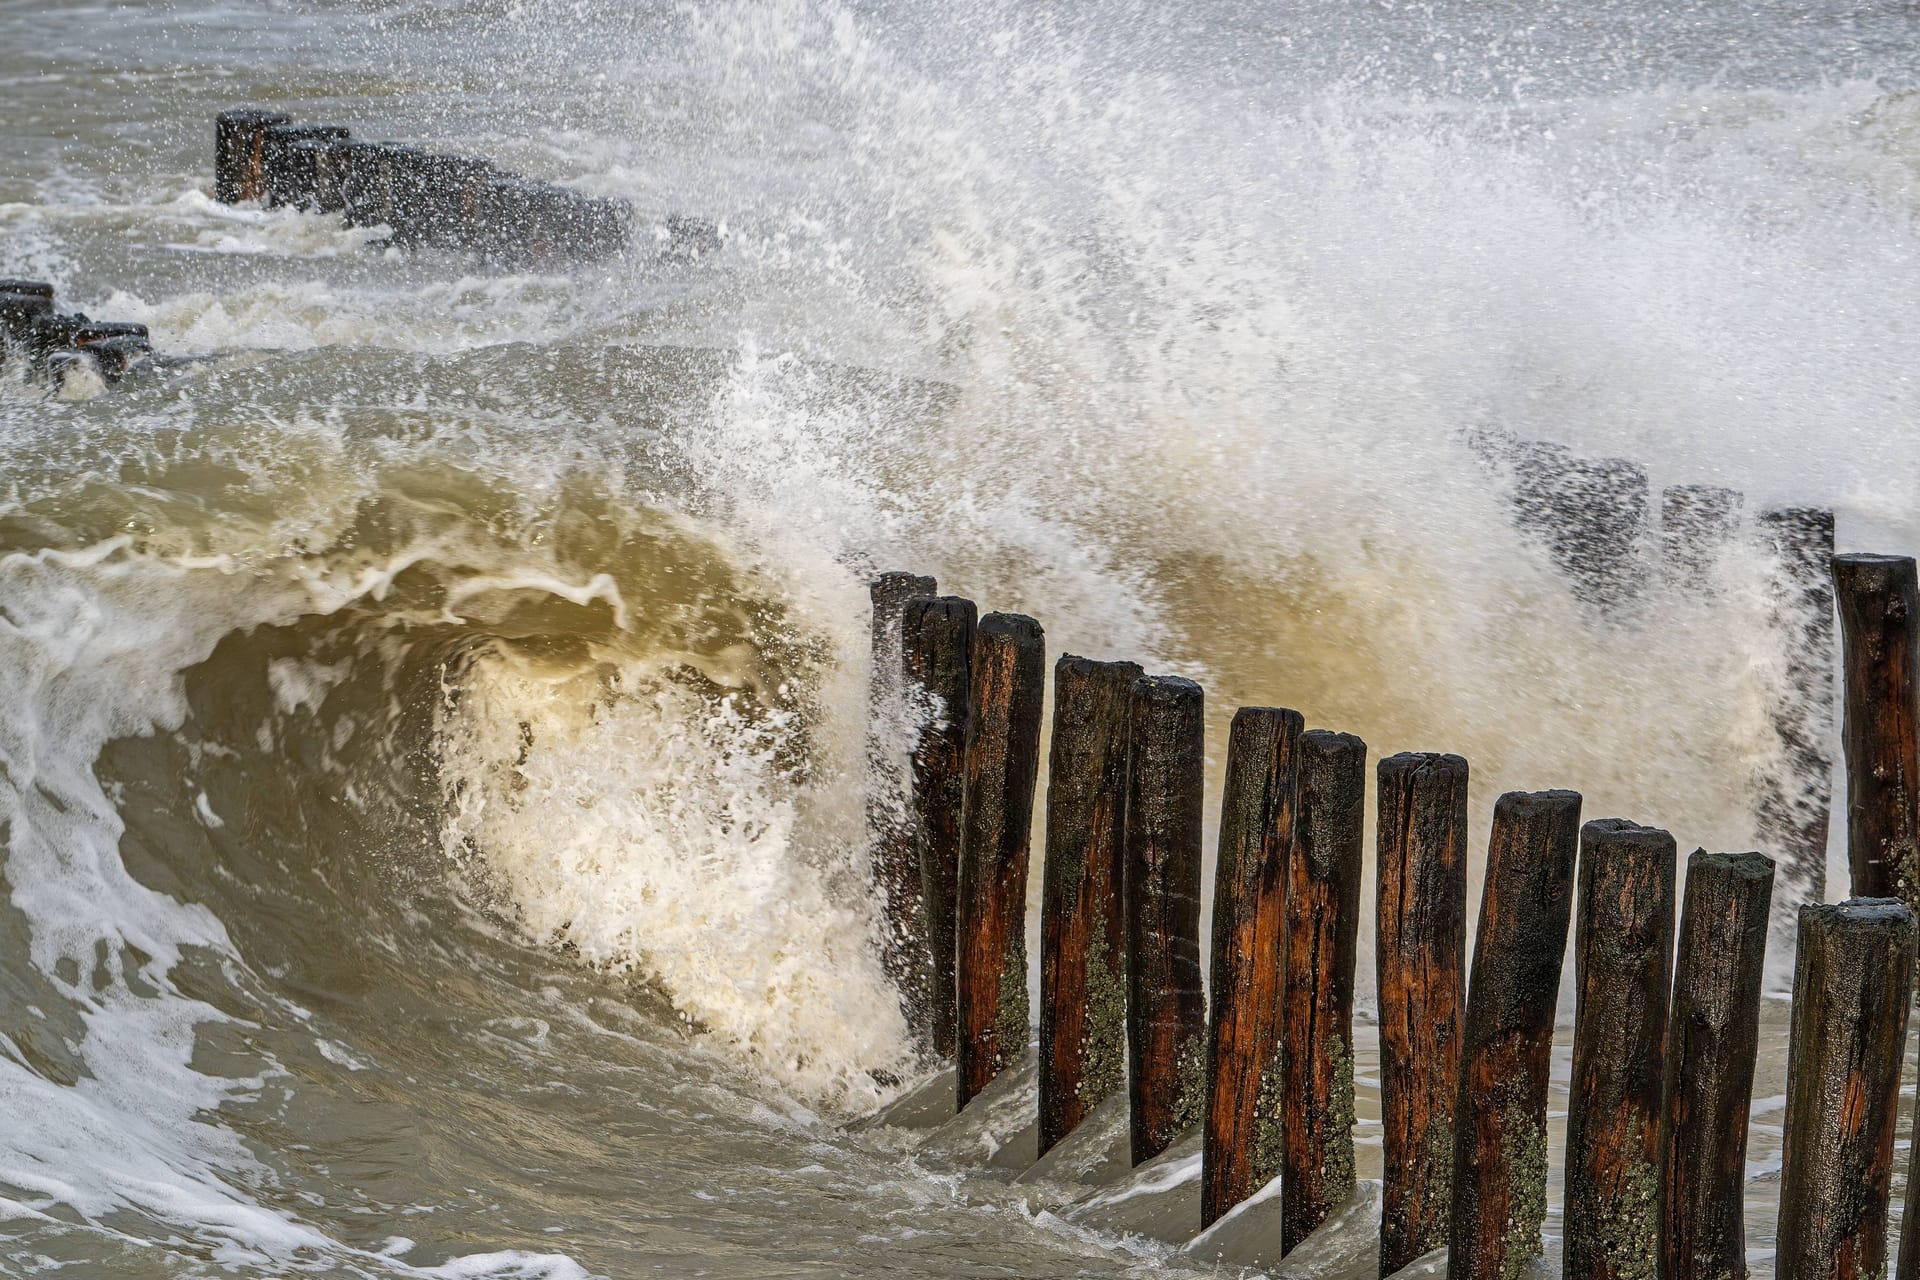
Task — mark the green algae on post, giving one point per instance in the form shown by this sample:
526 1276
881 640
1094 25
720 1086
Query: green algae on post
1499 1166
1082 928
1257 812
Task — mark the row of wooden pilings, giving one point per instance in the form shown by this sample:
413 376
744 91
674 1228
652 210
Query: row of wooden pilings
1665 1029
423 197
54 343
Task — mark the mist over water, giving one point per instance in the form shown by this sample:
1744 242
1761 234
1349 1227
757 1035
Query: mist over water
432 722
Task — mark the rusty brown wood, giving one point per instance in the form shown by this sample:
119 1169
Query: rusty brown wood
239 153
1852 986
1323 927
1240 1146
1420 954
1879 616
1500 1138
936 644
1166 1007
1083 939
1713 1033
1009 673
1623 953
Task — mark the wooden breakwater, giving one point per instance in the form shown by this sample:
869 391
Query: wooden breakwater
426 198
1259 1087
54 343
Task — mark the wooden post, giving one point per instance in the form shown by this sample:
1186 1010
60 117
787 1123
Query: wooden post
1421 957
1697 521
1592 515
21 303
290 171
1009 674
1240 1149
1852 985
1323 928
1795 806
936 638
1166 1006
1713 1033
1083 937
1500 1143
893 860
239 153
1879 613
1623 950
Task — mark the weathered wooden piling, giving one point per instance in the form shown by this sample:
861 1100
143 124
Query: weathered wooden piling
1500 1139
1421 959
893 859
1697 522
1240 1147
1852 985
1713 1033
1166 1007
1623 950
1083 938
1592 516
936 639
21 303
1879 617
1009 672
290 171
1795 804
1323 928
239 153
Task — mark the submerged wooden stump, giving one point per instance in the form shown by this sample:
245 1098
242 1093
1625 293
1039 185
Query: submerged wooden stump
1623 948
1421 957
936 647
1852 985
1713 1034
239 153
1003 763
1323 927
1795 805
893 858
1500 1143
291 172
1879 617
1166 1007
1083 938
1240 1149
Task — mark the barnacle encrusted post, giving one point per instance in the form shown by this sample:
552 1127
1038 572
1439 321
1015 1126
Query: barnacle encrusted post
1166 1008
1003 764
1500 1134
1083 1031
1323 926
1257 811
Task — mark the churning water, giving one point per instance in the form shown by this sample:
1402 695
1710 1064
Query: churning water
431 725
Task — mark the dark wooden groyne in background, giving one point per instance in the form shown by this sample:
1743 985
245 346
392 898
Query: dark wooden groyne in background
1665 1028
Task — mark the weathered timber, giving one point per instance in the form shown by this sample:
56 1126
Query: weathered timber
1500 1139
1323 928
893 859
1697 522
21 303
1420 954
1240 1146
1623 951
936 646
239 153
1083 939
1166 1007
290 170
1879 615
1852 985
1591 514
1713 1034
1795 803
1009 672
